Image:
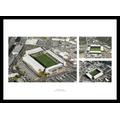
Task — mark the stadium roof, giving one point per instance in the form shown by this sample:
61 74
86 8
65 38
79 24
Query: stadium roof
94 45
36 66
35 50
54 67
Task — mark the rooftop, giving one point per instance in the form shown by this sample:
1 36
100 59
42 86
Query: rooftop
17 48
31 41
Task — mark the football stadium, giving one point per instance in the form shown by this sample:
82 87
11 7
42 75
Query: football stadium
95 49
43 60
94 74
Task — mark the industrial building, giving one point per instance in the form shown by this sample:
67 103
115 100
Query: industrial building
41 60
94 74
17 49
31 41
13 75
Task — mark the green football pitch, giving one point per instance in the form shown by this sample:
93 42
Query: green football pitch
45 59
95 49
94 72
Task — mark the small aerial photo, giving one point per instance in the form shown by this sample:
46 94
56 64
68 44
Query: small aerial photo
95 47
42 59
95 71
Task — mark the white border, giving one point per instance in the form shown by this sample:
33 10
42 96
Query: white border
60 90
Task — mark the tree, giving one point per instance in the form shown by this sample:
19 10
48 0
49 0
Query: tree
42 74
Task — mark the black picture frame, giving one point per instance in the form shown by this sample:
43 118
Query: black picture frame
2 18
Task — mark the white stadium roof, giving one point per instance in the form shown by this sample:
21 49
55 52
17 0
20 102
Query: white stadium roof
54 67
35 50
34 64
94 45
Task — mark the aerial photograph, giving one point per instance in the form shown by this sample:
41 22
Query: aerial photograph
95 47
95 71
42 59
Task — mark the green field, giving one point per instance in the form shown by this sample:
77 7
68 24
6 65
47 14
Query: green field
94 72
95 49
45 59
